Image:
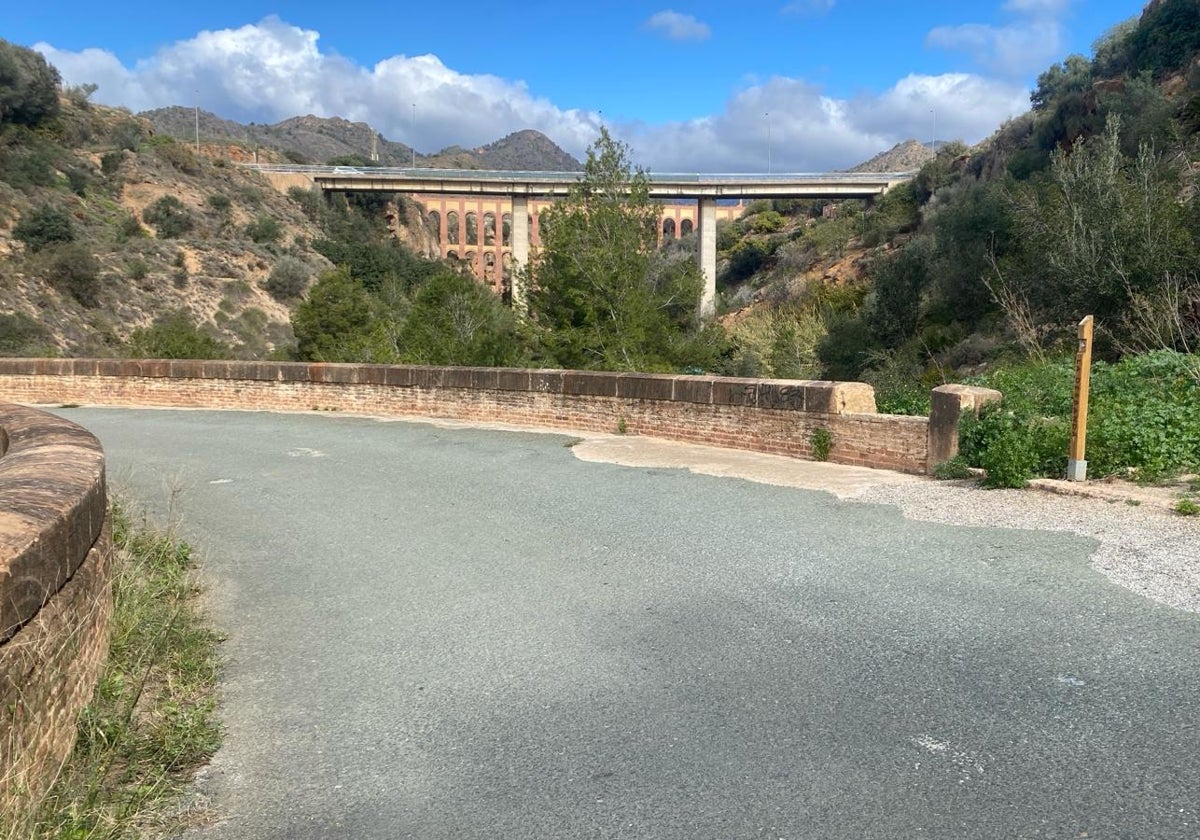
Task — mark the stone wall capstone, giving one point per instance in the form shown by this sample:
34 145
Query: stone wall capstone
55 596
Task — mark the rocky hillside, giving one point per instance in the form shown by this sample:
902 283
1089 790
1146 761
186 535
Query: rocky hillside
312 139
106 227
908 156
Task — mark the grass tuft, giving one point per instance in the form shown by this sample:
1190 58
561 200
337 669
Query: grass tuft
151 721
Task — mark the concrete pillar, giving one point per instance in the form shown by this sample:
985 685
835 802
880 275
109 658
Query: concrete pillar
706 214
520 250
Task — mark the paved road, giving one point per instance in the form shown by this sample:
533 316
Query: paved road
447 633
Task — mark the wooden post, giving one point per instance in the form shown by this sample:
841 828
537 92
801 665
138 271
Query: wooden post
1076 464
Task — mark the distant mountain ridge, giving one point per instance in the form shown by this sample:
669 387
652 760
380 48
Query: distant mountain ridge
310 139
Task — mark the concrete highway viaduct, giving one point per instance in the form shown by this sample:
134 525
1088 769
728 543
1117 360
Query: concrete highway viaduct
521 195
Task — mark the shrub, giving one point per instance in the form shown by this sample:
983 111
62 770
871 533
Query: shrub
1007 454
20 335
137 269
169 217
767 222
129 228
745 259
1187 507
110 162
954 469
78 180
79 95
128 135
73 269
179 156
288 279
311 202
45 225
26 160
175 336
264 229
1144 415
219 202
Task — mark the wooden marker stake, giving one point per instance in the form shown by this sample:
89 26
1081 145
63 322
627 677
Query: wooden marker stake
1076 464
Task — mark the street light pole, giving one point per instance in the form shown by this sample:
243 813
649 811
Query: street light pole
197 103
413 136
768 142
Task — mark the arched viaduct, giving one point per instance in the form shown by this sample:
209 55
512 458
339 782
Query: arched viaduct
525 192
476 233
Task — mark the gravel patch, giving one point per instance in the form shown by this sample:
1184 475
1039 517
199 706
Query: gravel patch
1146 549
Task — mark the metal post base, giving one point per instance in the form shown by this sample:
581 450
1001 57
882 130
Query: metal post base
1076 470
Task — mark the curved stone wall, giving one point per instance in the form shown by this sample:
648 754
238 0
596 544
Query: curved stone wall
55 595
761 415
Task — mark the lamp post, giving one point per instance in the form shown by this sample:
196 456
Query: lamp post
768 142
413 136
197 102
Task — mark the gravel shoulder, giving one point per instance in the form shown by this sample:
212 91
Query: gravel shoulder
1141 544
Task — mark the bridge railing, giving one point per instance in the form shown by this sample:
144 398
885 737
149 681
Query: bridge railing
419 173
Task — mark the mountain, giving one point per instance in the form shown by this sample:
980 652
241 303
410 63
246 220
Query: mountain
903 157
528 150
310 139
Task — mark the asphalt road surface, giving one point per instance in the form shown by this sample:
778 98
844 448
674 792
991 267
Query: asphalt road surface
458 633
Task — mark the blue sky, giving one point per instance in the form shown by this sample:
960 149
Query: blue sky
691 86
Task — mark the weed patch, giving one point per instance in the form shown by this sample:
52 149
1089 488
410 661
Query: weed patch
152 719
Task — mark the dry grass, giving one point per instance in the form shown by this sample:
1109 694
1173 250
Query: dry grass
151 721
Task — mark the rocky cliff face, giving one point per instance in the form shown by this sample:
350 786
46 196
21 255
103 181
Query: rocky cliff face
412 229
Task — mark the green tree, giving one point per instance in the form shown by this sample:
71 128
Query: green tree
1102 229
456 321
28 86
340 322
593 302
1073 75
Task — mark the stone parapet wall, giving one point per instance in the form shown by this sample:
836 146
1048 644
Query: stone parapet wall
774 416
55 596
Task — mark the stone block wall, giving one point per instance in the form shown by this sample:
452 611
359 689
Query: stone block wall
772 416
55 596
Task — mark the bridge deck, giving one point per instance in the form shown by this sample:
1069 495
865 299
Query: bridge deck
663 185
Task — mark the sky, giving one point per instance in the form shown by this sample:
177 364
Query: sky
689 85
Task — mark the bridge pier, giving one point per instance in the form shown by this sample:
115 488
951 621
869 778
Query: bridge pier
520 251
706 223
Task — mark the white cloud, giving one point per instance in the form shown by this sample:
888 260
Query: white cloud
271 70
1012 51
811 132
1026 45
808 7
676 26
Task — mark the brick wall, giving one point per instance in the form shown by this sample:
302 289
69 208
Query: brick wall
774 416
55 596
